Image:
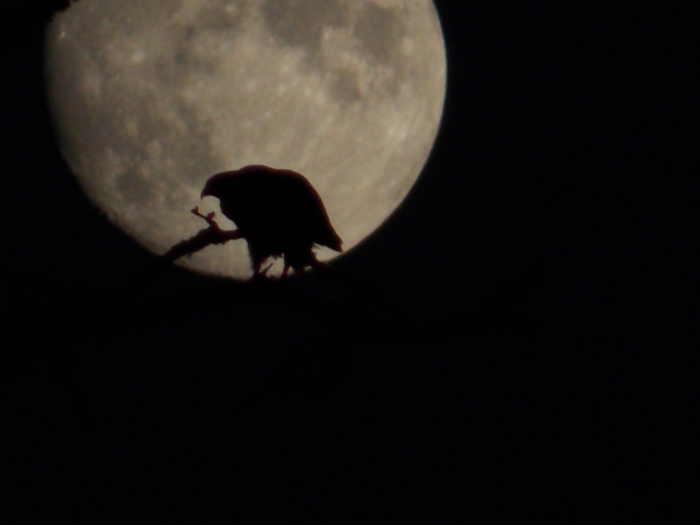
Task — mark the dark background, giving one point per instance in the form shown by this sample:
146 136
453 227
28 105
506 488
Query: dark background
566 145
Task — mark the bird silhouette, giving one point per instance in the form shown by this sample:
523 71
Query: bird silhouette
278 212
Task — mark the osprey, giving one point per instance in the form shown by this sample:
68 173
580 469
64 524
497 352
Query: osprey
278 212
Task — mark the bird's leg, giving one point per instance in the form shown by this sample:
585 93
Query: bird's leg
259 274
264 272
256 268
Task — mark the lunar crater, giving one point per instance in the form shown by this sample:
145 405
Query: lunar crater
220 18
134 188
301 22
379 31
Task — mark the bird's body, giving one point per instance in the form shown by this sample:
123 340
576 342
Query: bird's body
278 212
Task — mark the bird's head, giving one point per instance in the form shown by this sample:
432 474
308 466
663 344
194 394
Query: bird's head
213 186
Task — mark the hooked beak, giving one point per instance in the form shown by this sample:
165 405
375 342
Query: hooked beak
205 193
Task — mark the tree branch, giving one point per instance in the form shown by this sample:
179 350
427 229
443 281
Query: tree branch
211 235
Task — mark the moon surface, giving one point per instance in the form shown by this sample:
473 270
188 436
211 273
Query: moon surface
150 98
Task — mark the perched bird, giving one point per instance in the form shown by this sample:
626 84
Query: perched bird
278 212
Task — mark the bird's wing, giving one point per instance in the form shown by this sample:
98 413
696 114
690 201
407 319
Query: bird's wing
311 212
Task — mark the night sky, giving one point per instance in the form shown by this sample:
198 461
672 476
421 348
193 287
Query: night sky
533 359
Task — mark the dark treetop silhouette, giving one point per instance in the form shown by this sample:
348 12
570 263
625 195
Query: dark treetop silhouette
278 212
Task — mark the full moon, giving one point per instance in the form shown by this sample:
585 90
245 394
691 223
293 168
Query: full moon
152 97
